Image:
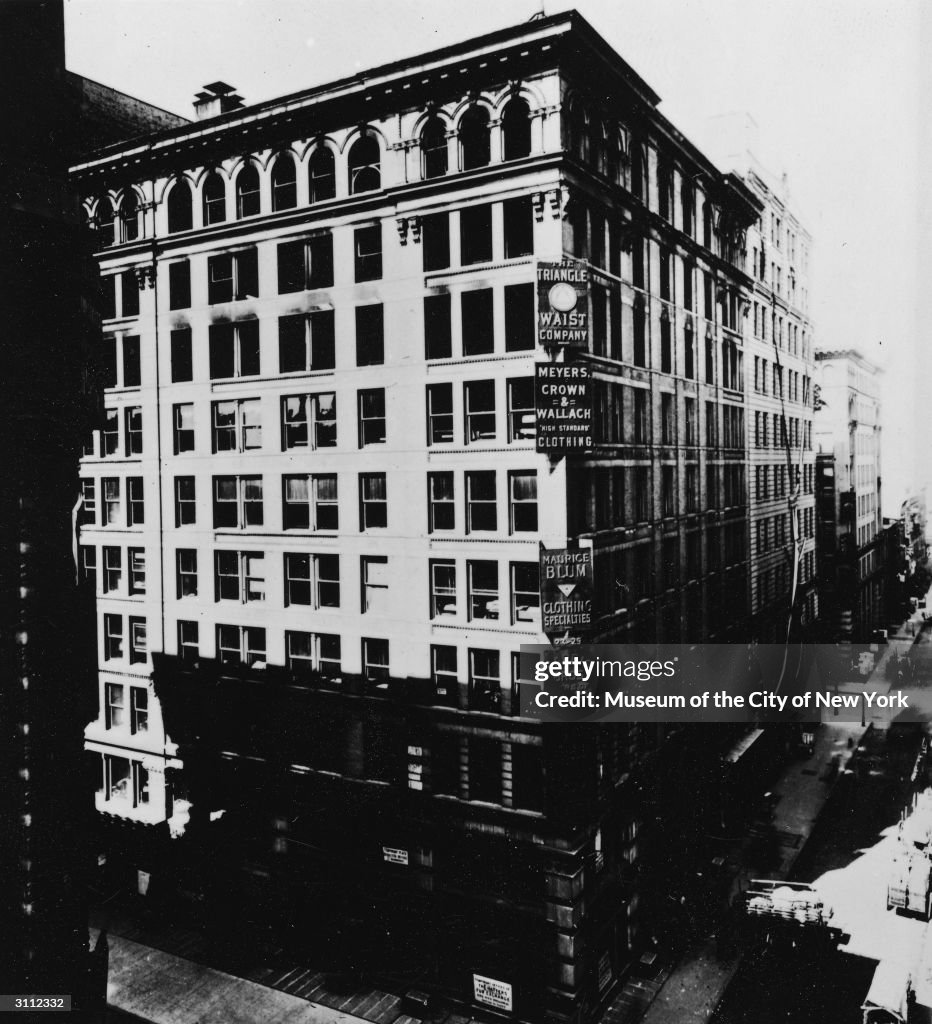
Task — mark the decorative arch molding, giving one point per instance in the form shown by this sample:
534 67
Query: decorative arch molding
520 90
192 179
357 133
305 150
479 99
426 116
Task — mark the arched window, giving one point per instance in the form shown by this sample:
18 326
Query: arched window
284 183
129 216
474 138
365 169
596 144
247 192
434 148
321 176
516 126
104 220
180 214
215 199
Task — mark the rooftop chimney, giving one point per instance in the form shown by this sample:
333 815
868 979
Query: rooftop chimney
217 98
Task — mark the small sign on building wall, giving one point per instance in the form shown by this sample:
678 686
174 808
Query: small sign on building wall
563 304
489 992
394 855
563 407
566 590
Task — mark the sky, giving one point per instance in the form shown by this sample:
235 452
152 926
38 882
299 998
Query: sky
833 85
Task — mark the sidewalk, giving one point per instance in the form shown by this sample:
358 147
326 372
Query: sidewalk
165 989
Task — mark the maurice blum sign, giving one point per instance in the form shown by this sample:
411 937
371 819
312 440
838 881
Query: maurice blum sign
563 304
566 590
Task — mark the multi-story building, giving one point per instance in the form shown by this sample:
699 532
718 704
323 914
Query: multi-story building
781 367
847 437
316 503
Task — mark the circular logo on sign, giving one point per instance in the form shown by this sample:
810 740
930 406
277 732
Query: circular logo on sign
562 297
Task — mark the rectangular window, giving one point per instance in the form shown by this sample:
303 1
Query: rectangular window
188 642
374 585
306 264
89 501
480 410
139 709
641 417
439 413
525 592
309 421
89 565
113 569
241 645
297 580
370 335
375 663
137 641
179 285
310 653
438 337
312 580
475 235
691 418
113 637
237 502
520 318
518 223
367 247
136 506
373 503
181 355
485 781
667 419
234 349
186 573
110 488
115 706
522 492
108 297
641 493
233 276
185 505
117 781
481 504
440 502
692 487
136 561
129 288
482 579
183 417
310 503
371 407
132 373
477 319
110 434
522 414
442 589
237 425
306 342
133 421
443 671
435 241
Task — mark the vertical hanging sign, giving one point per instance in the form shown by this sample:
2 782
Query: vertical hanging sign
566 591
563 405
563 304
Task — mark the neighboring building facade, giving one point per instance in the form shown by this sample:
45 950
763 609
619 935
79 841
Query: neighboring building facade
316 505
847 436
49 335
780 371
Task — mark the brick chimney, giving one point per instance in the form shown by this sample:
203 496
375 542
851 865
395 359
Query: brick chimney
217 98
